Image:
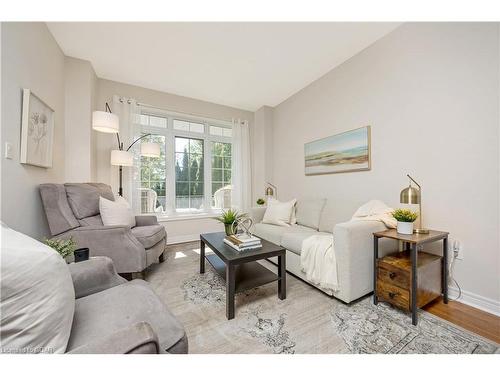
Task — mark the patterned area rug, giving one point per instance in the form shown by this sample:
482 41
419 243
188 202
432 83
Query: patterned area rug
308 321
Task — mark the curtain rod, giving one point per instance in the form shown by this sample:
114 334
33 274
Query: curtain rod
184 113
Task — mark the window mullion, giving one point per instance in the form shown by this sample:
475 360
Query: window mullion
207 165
170 162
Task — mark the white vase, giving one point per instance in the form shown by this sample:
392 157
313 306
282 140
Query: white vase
405 227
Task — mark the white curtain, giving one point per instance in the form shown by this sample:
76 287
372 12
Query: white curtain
241 166
130 129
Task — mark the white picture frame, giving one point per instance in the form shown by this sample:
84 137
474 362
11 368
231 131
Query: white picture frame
37 131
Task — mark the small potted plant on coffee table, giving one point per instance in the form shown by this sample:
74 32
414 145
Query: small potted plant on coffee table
228 218
405 220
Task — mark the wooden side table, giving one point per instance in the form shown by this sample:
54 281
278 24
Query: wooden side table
412 242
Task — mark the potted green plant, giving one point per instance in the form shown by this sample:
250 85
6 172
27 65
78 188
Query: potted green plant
65 248
228 218
261 202
405 220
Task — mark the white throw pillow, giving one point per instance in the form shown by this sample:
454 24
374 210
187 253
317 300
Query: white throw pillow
38 299
279 213
117 212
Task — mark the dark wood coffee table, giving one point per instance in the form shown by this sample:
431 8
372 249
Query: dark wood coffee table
240 269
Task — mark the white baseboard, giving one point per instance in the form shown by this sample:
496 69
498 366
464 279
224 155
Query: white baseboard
179 239
475 300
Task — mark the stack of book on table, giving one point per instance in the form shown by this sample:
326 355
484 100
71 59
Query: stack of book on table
243 242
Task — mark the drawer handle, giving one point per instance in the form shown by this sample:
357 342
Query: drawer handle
392 295
392 275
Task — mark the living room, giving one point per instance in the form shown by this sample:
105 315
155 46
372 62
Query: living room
250 187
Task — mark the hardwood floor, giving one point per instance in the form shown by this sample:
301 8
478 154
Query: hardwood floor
470 318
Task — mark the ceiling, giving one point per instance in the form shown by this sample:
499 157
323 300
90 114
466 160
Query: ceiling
242 65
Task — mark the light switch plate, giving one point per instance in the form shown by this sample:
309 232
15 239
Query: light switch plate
8 150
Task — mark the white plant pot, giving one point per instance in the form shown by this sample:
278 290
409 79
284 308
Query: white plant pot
405 227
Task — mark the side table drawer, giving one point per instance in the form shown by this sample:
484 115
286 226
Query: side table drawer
396 296
392 275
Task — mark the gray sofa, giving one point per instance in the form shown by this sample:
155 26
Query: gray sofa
73 211
116 316
353 244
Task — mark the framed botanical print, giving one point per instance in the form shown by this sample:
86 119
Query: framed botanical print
37 131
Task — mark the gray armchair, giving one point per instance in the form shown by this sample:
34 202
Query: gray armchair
73 211
111 315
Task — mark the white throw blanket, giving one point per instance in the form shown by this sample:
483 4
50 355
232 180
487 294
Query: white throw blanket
317 259
318 262
375 211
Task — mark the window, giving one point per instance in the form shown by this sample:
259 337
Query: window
189 181
193 172
221 175
153 178
155 121
187 126
221 131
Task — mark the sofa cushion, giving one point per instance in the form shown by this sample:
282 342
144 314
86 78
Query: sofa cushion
308 212
269 232
279 213
37 300
106 312
84 198
328 219
292 240
149 235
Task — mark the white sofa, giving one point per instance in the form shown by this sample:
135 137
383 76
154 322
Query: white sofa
353 244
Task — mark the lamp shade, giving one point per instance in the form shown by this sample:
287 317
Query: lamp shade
105 122
410 195
150 149
123 158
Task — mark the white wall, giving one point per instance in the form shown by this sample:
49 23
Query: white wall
81 161
262 147
180 230
30 59
431 95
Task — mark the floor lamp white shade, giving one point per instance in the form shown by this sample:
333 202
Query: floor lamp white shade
150 149
123 158
105 122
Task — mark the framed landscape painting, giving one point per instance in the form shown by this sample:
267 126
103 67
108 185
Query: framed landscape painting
344 152
37 131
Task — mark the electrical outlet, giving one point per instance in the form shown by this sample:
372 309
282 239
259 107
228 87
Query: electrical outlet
458 250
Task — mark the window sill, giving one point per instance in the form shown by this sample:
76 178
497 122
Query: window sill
187 216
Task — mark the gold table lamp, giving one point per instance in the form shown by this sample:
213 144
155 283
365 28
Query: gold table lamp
271 191
411 195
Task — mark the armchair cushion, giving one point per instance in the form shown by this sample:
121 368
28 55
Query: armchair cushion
57 209
139 338
116 212
115 309
143 220
149 235
94 275
84 198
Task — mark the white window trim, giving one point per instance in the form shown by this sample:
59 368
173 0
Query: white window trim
170 133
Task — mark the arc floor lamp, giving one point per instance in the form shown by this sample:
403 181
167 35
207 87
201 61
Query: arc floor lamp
108 122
